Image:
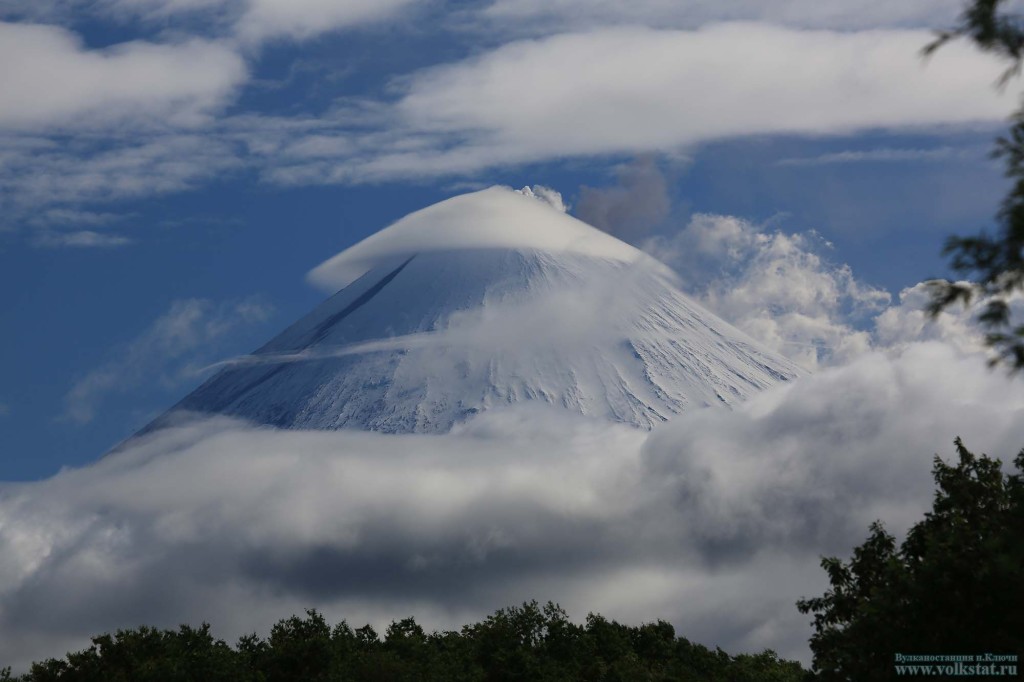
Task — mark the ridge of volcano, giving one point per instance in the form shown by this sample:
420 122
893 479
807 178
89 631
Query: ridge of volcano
484 300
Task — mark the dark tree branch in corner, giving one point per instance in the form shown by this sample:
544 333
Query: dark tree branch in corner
994 264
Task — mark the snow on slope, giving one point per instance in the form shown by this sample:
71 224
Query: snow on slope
483 300
494 218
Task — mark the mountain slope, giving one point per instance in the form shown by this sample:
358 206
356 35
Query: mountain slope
484 300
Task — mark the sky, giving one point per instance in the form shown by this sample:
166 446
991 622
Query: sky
171 170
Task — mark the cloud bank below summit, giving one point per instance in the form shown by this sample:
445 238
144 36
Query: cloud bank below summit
715 521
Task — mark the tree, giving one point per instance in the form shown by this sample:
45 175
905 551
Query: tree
995 262
955 585
146 655
531 642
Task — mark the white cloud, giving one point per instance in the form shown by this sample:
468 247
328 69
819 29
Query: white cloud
781 288
552 198
82 239
602 91
714 522
637 89
774 286
957 326
782 291
884 155
50 79
75 217
609 90
250 21
87 171
175 347
632 90
162 9
834 14
81 125
303 19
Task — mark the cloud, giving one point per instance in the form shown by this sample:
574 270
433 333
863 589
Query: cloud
249 22
957 326
775 286
173 348
883 155
631 90
82 239
81 125
303 19
157 116
549 196
628 210
549 15
49 78
62 217
636 89
619 90
714 522
35 175
782 289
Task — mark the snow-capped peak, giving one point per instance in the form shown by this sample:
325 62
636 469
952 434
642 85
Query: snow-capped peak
493 218
483 301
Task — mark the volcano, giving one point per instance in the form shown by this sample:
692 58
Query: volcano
486 300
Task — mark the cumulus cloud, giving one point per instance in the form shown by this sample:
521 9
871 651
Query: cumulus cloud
783 290
957 326
775 286
714 522
49 78
173 348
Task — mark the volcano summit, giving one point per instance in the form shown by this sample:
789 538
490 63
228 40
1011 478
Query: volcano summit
484 300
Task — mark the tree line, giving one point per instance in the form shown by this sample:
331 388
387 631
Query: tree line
525 643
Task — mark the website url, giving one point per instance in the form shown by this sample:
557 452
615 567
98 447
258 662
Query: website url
964 665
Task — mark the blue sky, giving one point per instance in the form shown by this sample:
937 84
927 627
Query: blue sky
171 169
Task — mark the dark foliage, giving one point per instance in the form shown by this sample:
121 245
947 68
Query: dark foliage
994 263
955 585
528 643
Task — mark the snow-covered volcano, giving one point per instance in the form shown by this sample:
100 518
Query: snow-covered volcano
484 300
